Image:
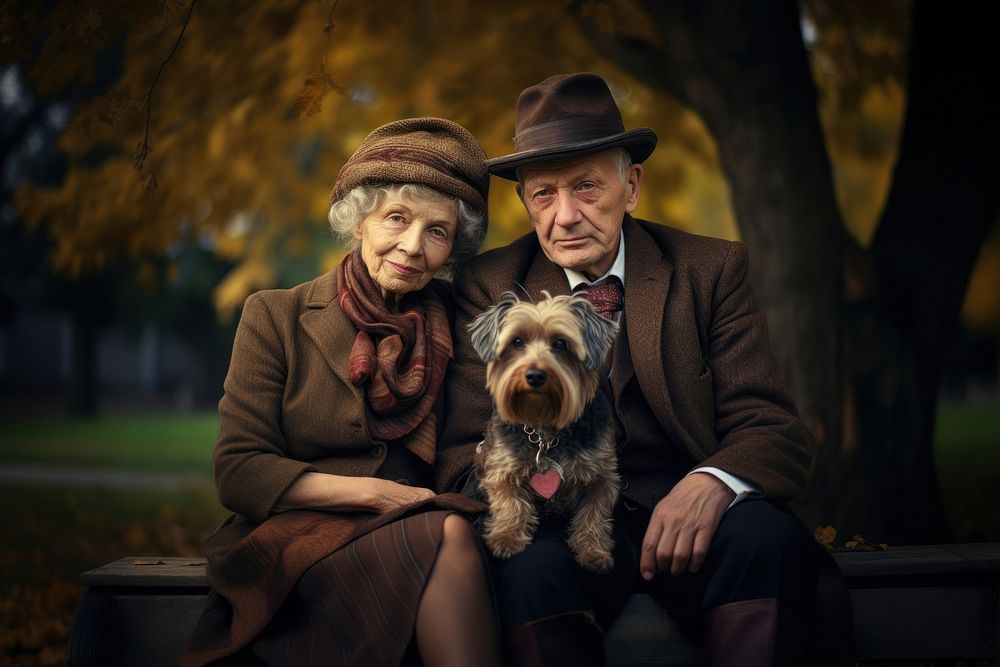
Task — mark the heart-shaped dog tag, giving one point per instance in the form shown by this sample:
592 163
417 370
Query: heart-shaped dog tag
546 483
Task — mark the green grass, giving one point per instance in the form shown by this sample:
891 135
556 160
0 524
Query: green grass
161 442
968 463
966 428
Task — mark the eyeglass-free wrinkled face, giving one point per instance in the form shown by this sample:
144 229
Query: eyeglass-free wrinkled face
405 241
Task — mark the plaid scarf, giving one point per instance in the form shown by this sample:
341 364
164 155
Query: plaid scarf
399 358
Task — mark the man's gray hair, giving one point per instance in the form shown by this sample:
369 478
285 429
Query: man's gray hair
353 207
621 158
623 161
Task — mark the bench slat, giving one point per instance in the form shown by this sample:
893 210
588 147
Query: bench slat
919 602
897 561
169 571
926 559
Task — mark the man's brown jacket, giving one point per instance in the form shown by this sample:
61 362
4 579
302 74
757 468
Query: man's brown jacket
698 346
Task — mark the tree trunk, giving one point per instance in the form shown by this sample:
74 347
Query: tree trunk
83 372
744 69
90 303
943 200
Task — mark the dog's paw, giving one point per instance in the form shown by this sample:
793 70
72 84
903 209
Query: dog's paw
592 548
504 545
596 560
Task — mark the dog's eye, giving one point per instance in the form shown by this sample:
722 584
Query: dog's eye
559 344
517 343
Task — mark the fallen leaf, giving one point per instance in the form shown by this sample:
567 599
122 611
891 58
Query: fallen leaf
859 543
825 535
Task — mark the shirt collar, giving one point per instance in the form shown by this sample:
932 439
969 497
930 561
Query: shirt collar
576 278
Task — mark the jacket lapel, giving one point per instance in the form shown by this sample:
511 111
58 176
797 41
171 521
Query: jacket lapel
329 328
647 284
544 275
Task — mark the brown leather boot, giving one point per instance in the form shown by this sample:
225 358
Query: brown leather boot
754 633
572 638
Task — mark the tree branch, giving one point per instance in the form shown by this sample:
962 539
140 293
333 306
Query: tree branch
328 29
649 63
144 148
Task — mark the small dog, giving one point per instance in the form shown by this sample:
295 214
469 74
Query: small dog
549 447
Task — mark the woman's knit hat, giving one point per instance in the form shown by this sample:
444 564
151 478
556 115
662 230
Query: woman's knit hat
430 151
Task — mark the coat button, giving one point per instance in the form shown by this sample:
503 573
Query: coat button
377 452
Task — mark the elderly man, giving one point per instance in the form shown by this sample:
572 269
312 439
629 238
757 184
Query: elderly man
710 444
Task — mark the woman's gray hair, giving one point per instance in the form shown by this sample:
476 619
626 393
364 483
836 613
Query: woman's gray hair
353 207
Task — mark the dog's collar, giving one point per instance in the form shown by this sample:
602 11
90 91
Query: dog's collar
542 462
536 438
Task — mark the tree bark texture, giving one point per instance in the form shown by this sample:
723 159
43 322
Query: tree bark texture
943 201
859 334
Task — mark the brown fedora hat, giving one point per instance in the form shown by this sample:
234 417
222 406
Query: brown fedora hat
565 116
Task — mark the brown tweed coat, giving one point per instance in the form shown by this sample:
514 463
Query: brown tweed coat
699 349
289 408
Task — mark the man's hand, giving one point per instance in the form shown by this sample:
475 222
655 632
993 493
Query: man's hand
683 524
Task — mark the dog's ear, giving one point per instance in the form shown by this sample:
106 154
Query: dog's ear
486 327
598 332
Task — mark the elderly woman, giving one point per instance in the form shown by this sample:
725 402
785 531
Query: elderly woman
337 551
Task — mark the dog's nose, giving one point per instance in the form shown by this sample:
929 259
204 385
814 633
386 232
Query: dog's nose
535 377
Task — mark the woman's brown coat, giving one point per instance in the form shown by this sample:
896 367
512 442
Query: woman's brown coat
288 409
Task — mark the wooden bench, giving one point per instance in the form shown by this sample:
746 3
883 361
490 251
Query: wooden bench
917 603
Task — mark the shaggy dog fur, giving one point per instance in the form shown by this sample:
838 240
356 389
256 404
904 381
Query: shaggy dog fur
549 447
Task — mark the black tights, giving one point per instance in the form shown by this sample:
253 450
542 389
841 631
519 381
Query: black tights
456 624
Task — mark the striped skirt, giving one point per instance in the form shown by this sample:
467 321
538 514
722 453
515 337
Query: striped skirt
357 606
307 587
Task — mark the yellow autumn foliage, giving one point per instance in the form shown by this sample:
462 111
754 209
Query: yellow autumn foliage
261 104
981 308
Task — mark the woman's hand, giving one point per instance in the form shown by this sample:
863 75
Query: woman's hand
386 495
316 490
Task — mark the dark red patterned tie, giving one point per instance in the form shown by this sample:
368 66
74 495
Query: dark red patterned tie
607 297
